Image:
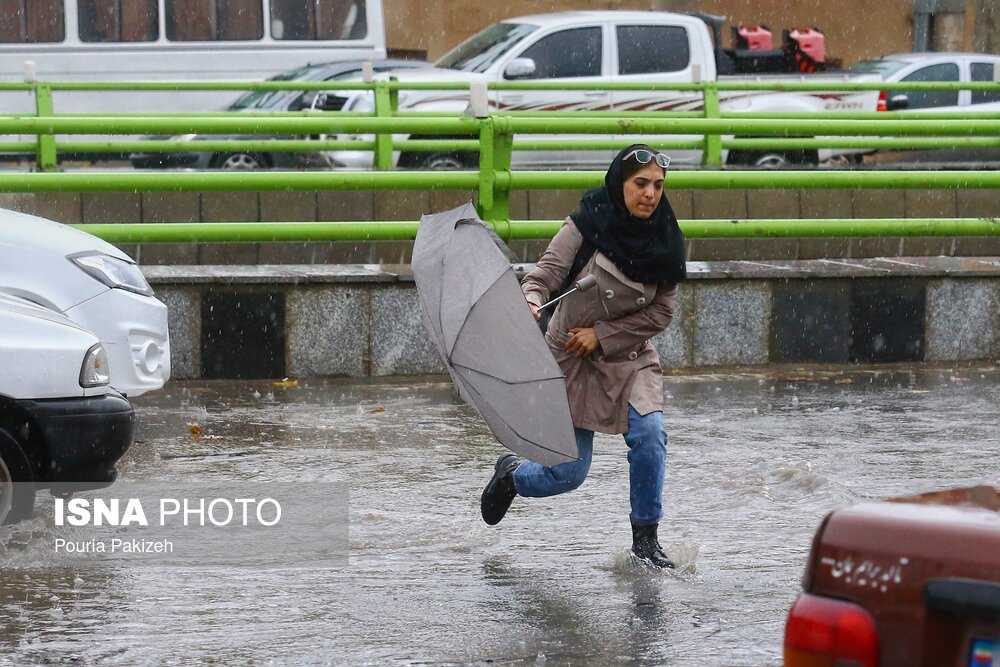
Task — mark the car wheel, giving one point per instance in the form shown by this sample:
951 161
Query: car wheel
772 159
239 161
443 161
17 482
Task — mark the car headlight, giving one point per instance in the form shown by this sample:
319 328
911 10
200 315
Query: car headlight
95 371
113 272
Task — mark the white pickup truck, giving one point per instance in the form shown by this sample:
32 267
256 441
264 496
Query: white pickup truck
596 47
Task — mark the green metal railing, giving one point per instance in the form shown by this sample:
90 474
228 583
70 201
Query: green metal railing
385 94
264 232
495 137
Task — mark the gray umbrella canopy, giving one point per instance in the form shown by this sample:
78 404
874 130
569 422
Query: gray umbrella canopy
476 315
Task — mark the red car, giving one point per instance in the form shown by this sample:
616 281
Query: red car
907 581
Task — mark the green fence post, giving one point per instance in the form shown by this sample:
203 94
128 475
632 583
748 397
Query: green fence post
496 144
393 98
712 151
45 158
385 107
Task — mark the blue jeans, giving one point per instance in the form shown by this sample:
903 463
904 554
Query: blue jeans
647 462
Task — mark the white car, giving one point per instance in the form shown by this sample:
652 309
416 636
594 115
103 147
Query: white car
931 67
61 426
95 285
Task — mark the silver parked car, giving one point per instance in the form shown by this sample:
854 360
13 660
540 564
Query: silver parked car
262 101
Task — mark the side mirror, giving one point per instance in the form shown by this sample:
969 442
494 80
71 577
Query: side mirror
519 68
897 102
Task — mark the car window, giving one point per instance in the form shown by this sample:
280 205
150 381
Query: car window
881 67
645 49
259 99
318 19
213 20
566 54
923 99
115 21
31 23
983 72
477 53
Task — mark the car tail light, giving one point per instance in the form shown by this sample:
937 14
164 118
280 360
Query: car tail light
883 101
823 632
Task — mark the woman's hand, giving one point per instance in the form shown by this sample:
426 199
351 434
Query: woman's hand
534 311
582 342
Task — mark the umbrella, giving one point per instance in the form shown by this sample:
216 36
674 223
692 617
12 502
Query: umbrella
477 317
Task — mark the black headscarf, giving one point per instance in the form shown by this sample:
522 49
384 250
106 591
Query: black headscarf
647 251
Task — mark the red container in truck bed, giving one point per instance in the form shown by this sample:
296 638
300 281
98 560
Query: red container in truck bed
907 581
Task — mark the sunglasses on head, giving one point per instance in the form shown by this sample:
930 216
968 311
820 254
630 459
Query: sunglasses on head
643 156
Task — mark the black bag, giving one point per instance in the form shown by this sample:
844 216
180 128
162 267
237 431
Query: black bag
583 256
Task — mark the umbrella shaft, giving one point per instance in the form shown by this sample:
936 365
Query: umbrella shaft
558 298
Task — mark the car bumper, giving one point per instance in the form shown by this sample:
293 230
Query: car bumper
78 441
133 329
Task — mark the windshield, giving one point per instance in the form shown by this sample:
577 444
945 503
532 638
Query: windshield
261 99
881 67
477 53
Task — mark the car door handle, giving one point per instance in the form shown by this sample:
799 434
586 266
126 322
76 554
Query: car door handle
595 93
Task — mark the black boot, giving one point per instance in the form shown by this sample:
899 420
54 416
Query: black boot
500 492
647 547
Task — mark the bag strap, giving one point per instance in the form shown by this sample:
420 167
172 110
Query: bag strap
583 256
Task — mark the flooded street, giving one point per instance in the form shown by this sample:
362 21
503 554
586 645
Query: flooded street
755 461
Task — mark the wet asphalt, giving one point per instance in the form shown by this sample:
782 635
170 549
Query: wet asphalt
756 459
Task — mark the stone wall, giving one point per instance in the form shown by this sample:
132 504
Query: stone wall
362 321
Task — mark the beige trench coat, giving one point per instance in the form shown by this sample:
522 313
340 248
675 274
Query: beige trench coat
625 369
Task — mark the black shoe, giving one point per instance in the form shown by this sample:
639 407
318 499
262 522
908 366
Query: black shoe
647 547
500 492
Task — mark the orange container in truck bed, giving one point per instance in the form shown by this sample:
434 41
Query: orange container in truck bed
906 581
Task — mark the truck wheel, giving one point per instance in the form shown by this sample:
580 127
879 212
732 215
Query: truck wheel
239 161
17 482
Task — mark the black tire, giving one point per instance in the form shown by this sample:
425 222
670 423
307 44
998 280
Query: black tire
439 161
17 481
772 159
443 162
239 161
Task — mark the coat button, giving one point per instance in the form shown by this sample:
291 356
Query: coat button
609 294
641 301
633 355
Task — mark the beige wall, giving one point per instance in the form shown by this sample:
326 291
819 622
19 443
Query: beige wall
855 29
